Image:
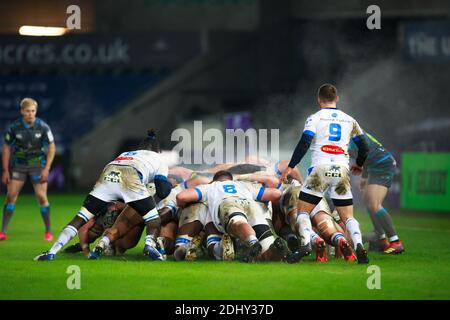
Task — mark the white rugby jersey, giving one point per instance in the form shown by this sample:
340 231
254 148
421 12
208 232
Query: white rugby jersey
332 130
150 164
215 192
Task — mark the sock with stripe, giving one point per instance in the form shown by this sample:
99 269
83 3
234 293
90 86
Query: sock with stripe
45 213
353 227
65 236
385 220
8 211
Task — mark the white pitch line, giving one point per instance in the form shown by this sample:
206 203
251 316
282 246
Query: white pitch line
425 229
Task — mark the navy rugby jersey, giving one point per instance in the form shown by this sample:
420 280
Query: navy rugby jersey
28 143
378 155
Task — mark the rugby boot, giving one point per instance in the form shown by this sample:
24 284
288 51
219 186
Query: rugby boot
346 250
227 248
193 248
361 254
321 250
395 247
45 256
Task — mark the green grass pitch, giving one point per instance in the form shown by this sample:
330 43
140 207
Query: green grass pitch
423 272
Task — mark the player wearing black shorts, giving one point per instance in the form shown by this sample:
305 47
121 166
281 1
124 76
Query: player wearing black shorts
24 155
377 176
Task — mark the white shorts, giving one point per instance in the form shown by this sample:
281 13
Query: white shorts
194 212
120 182
333 177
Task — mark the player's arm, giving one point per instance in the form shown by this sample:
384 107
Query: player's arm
50 157
6 155
189 196
268 181
83 235
360 140
267 194
196 181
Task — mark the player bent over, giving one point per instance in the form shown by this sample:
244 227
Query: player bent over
124 178
229 205
328 132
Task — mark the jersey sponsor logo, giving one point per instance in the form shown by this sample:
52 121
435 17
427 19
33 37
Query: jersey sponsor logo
38 135
332 149
113 176
19 136
123 158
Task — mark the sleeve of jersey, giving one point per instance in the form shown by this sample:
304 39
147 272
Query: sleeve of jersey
9 137
49 135
301 149
201 193
363 149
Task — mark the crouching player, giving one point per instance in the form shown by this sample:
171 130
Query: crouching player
231 210
124 178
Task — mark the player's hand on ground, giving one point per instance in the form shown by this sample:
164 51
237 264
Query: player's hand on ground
356 170
285 174
362 184
5 177
44 175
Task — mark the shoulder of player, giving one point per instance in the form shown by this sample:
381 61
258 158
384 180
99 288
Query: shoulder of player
42 123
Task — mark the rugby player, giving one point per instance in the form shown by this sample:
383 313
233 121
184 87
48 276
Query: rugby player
329 132
231 209
376 179
23 155
124 178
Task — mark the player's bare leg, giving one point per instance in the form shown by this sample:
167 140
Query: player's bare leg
374 196
40 190
14 188
129 240
238 227
168 234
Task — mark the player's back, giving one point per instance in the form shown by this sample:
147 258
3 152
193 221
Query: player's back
332 129
148 163
219 190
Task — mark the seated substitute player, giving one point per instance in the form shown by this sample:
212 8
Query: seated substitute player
124 178
329 132
230 210
377 176
23 155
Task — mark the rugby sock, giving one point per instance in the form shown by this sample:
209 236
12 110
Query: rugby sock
8 211
335 238
106 240
304 228
377 226
218 251
150 241
314 236
45 213
181 244
252 239
386 222
68 233
353 227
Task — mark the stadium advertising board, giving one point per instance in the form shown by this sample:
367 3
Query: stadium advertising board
425 181
427 41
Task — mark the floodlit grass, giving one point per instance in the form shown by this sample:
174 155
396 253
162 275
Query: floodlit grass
423 272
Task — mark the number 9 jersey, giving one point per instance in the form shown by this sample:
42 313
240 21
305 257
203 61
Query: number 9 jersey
331 130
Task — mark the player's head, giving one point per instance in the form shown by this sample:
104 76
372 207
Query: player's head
28 109
327 94
222 175
150 142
